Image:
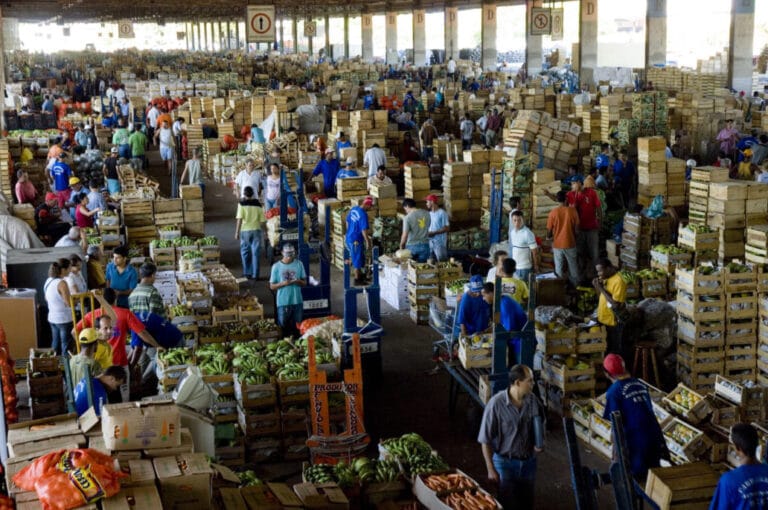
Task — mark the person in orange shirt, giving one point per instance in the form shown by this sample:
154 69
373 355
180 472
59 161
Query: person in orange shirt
562 224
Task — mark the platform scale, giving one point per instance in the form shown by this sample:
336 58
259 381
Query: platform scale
317 298
330 448
628 495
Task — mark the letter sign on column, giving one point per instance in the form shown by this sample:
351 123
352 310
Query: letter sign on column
260 23
588 10
557 24
418 18
367 20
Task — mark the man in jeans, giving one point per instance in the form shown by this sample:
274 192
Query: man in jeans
508 440
287 278
415 231
562 223
523 247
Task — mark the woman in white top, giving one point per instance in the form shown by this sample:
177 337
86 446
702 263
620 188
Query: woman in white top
74 279
272 189
195 171
59 311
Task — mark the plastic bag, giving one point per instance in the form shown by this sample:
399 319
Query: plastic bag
67 479
656 209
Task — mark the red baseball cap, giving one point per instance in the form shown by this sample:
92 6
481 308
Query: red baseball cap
431 198
368 200
614 365
50 196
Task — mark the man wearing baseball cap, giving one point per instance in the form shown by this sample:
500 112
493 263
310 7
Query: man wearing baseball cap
348 170
329 167
58 178
358 238
286 279
630 397
89 339
439 226
474 313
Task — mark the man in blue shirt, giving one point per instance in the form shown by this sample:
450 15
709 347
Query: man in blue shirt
59 175
358 238
474 314
167 336
512 317
623 176
603 160
48 104
439 226
287 279
108 381
329 167
630 396
746 487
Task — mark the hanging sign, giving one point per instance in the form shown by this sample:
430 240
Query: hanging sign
125 30
260 23
310 28
557 24
541 21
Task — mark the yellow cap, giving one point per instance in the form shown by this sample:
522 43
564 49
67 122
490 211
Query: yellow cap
73 180
88 336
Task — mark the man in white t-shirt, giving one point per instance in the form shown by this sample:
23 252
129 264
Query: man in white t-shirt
164 138
152 115
248 177
452 69
120 94
467 128
374 157
523 247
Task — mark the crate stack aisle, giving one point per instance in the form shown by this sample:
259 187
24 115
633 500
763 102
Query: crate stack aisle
727 212
700 239
423 283
651 168
479 165
741 322
46 384
698 191
701 312
456 190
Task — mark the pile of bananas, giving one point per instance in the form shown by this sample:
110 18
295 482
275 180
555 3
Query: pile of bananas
161 243
192 255
213 359
175 356
669 249
292 372
249 479
183 241
208 241
414 454
180 310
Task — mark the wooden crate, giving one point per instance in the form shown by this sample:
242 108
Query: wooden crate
588 342
740 356
686 486
697 241
697 443
701 307
566 379
740 330
293 391
700 333
474 357
141 235
656 287
744 396
741 305
600 426
255 395
222 384
696 413
694 282
700 359
193 191
256 422
668 262
45 385
556 342
740 282
41 360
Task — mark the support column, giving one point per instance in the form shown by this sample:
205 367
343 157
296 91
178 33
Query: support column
205 35
229 35
346 36
237 35
199 37
186 35
741 45
656 33
310 41
533 43
419 37
488 37
295 28
366 22
2 78
588 42
281 35
327 37
390 37
451 33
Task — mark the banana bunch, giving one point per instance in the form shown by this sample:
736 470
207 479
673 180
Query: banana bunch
735 267
345 476
651 274
192 255
324 358
699 229
208 241
169 228
265 325
249 479
175 356
161 243
183 241
415 454
669 249
94 240
217 365
292 372
180 310
239 328
387 471
320 473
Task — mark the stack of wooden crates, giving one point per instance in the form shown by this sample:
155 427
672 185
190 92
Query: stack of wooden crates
192 207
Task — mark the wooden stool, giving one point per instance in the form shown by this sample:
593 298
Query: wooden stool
644 350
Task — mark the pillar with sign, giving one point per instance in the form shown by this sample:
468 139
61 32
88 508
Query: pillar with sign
390 37
260 24
366 24
588 42
488 37
539 24
656 33
741 46
451 34
310 31
419 37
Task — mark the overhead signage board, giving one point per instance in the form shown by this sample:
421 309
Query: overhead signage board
260 23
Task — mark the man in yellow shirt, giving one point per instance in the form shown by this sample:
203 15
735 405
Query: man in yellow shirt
86 357
512 285
103 353
612 291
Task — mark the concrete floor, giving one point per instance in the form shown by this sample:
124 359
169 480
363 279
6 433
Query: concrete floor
406 398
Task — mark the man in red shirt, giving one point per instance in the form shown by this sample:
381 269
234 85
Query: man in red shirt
124 321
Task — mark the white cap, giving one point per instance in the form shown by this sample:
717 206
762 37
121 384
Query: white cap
350 160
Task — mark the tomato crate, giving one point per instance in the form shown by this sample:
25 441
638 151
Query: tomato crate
263 421
686 486
43 360
701 359
740 356
695 282
739 394
740 330
741 305
255 395
740 281
701 307
668 262
697 241
591 339
551 342
688 404
656 287
700 333
45 385
558 374
600 426
293 391
685 440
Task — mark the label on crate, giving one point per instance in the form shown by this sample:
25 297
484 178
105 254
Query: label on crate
315 304
291 236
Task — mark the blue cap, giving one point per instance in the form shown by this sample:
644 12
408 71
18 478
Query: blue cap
476 283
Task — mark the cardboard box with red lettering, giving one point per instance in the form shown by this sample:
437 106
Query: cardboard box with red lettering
141 425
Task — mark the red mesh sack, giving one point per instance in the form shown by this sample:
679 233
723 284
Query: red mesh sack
67 479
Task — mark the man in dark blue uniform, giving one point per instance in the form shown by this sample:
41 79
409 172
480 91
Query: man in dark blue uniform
474 314
746 487
358 238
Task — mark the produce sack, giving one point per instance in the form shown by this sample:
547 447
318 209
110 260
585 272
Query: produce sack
67 479
656 209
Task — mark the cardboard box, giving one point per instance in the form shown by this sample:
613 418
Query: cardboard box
140 472
232 500
134 498
187 446
185 481
272 496
44 435
326 496
137 425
